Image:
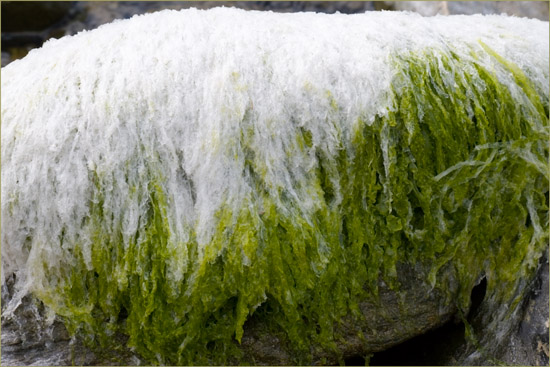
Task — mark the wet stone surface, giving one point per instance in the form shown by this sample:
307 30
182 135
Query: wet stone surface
30 339
416 326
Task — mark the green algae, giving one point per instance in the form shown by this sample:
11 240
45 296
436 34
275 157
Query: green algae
456 172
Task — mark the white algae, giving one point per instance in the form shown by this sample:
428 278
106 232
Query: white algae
185 168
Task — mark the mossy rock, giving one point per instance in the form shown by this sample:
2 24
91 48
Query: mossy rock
274 183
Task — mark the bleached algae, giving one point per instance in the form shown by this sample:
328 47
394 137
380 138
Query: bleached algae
165 176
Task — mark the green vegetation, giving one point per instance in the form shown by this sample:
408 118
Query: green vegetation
455 173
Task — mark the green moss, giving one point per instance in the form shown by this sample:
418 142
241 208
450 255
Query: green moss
455 173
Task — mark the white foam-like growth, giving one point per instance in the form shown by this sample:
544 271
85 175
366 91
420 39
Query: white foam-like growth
169 97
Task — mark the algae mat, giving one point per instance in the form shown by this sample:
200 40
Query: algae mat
168 184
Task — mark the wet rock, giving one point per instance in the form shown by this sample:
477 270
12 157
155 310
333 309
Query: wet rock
33 338
29 24
528 346
396 317
29 339
413 311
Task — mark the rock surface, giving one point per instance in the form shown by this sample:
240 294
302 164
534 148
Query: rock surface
414 309
528 346
30 339
398 316
528 9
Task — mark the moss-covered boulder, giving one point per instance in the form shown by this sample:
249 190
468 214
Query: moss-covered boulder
324 185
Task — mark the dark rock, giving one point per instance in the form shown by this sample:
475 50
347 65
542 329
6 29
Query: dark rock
6 58
17 39
394 318
27 25
28 16
528 346
28 338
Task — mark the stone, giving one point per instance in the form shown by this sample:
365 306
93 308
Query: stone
6 58
529 9
33 16
144 211
528 345
28 339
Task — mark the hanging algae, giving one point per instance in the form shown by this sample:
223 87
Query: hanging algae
164 186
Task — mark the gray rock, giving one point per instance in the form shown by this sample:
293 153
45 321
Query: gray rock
528 346
29 339
396 317
526 343
528 9
6 58
422 7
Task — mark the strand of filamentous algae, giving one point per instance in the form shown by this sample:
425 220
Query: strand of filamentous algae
452 171
450 174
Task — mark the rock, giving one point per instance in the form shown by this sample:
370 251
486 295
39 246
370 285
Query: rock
29 339
422 7
529 9
528 345
33 16
6 58
397 317
159 200
27 25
